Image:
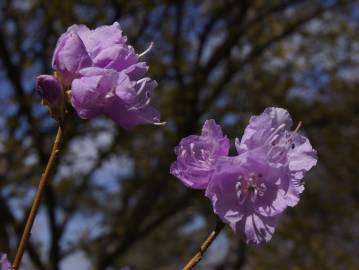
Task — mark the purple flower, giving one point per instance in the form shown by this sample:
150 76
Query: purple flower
4 262
105 75
105 91
249 193
251 190
50 90
197 155
70 54
271 130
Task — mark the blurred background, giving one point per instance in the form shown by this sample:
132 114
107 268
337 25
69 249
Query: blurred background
112 202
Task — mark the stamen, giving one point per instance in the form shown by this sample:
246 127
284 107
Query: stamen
147 50
110 94
249 188
261 189
160 123
145 101
298 127
242 194
142 86
239 184
140 106
254 194
274 133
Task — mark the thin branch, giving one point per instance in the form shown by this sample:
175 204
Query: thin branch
37 200
205 245
6 217
55 232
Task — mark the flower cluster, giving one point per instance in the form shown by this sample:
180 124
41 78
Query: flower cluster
102 75
250 190
4 262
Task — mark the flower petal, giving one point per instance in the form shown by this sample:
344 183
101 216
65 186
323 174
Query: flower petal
92 92
70 56
4 262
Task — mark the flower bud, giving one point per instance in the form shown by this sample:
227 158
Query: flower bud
50 90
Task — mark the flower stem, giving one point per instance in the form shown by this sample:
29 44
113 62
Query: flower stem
205 245
37 200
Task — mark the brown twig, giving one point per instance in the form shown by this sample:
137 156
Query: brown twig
205 245
37 200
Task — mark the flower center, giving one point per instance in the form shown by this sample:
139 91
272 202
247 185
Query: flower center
250 188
